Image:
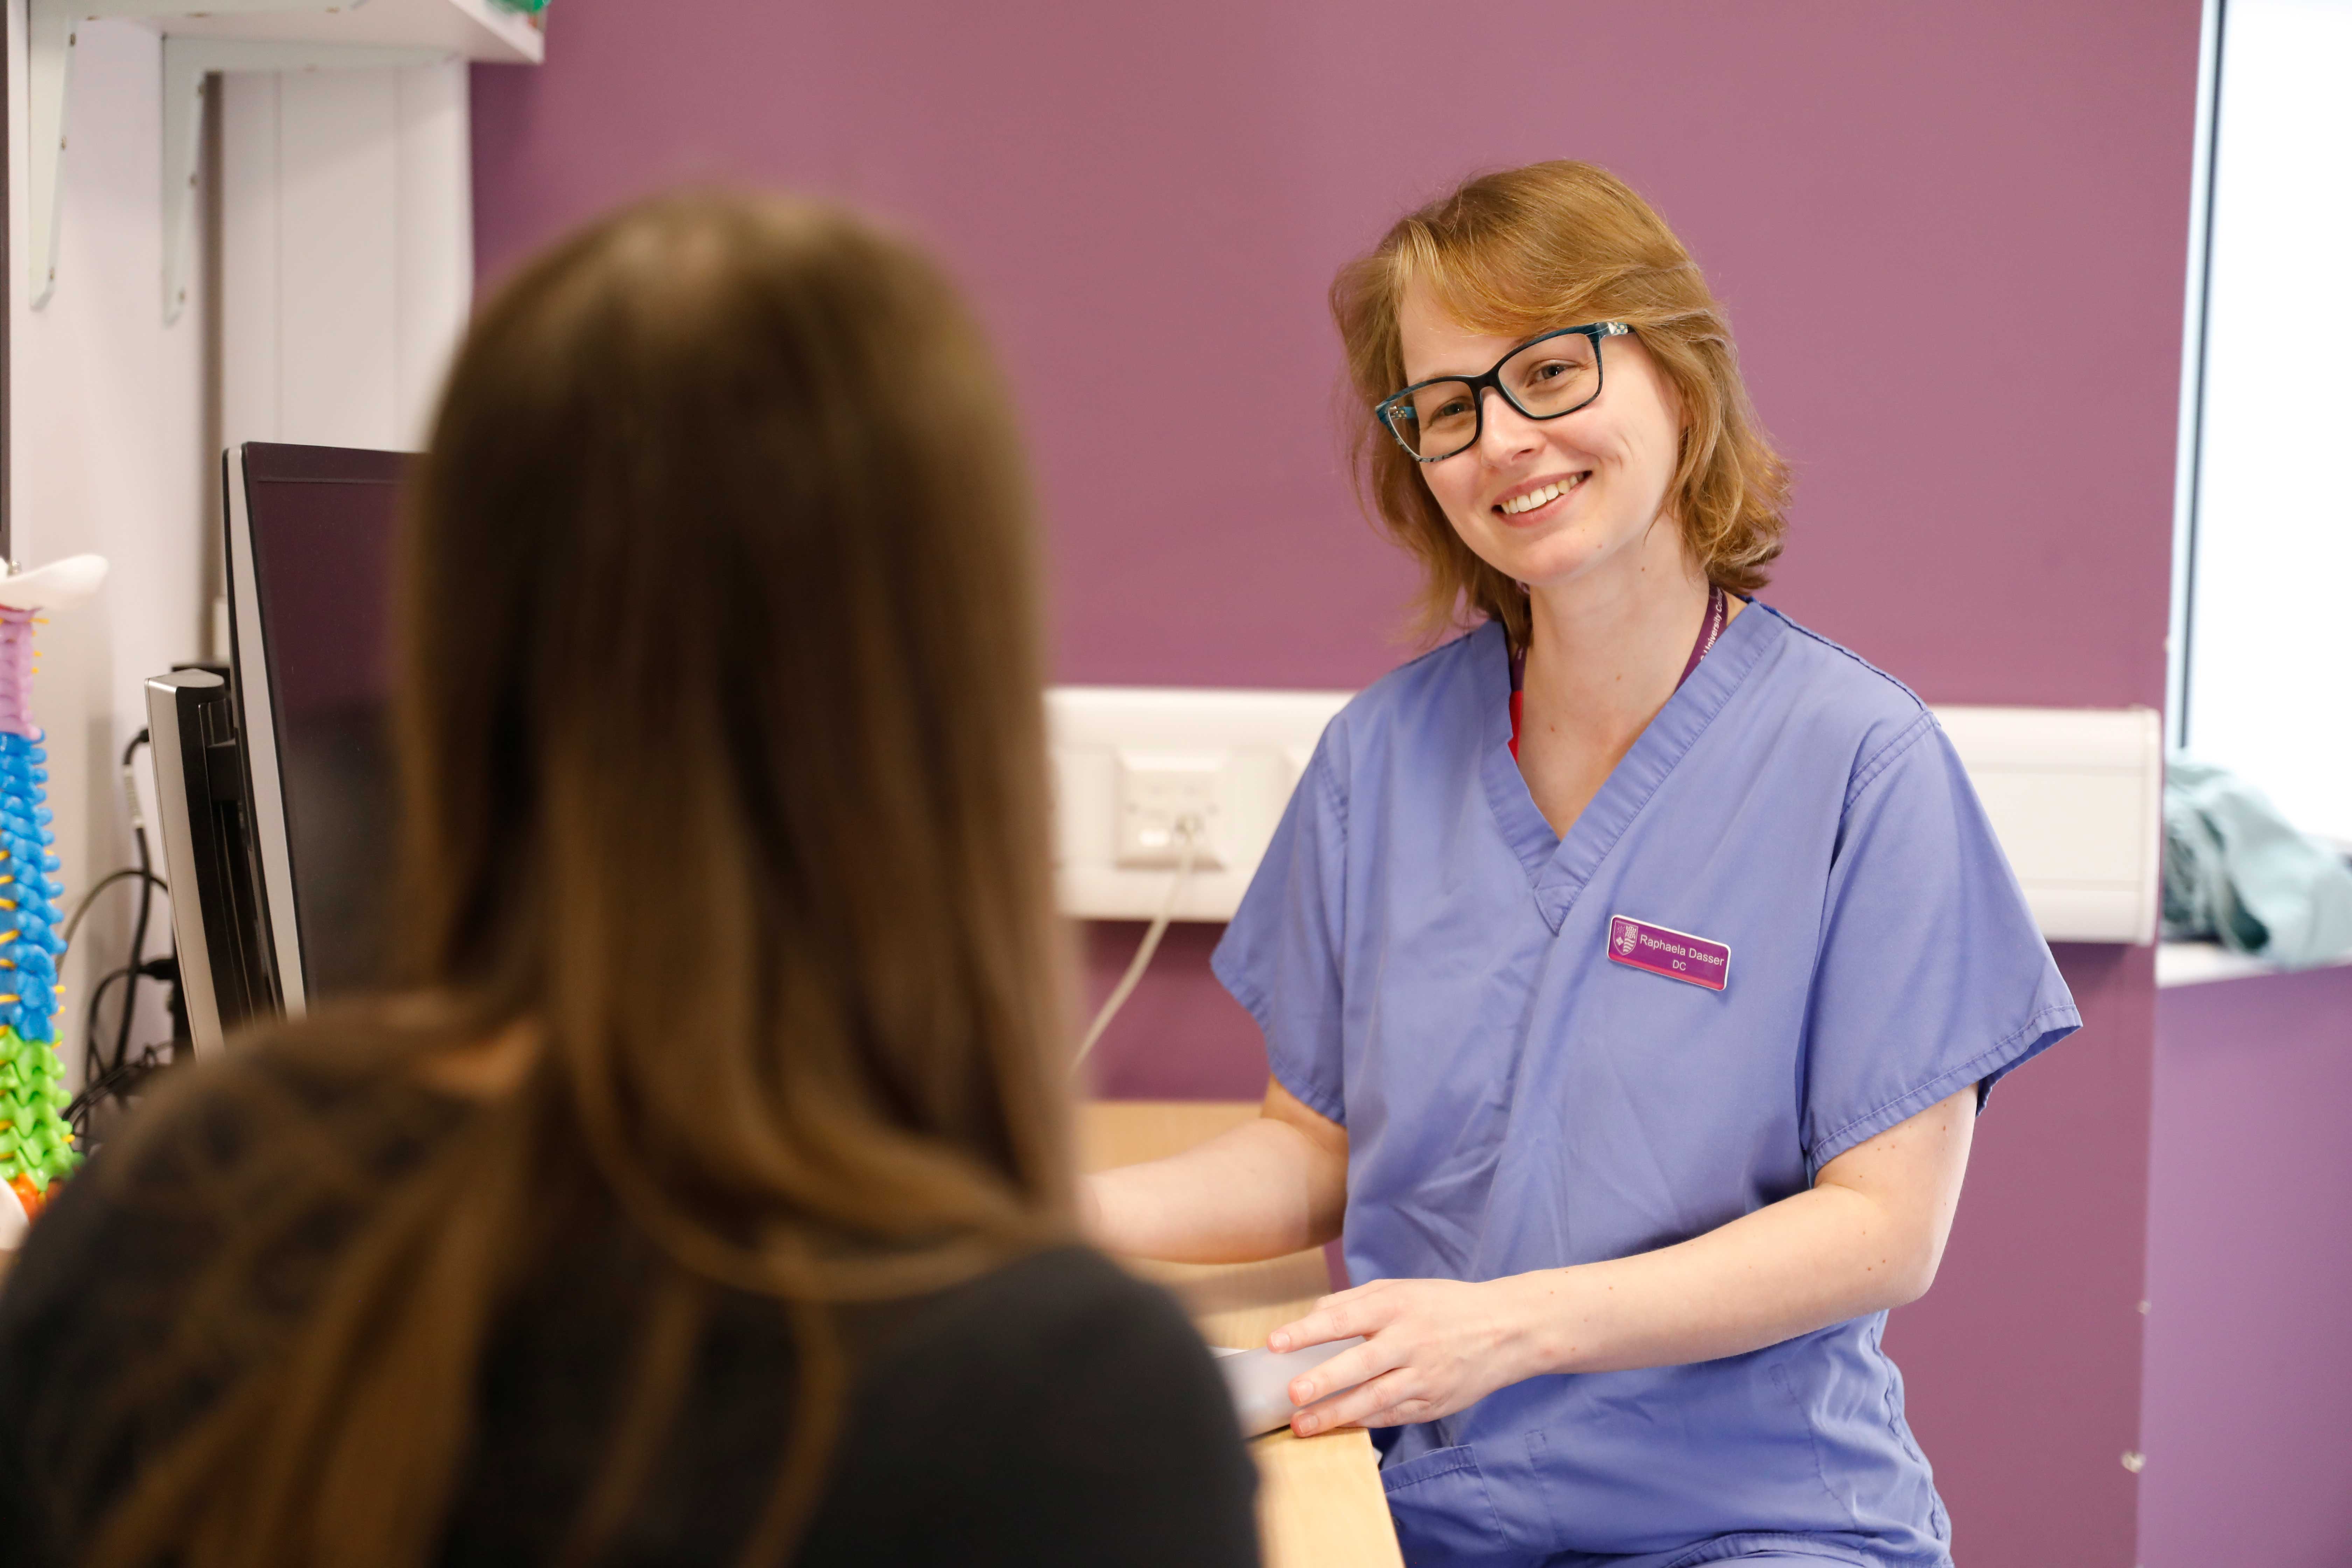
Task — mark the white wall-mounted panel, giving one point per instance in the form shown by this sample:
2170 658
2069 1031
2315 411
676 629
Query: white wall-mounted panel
2074 796
347 252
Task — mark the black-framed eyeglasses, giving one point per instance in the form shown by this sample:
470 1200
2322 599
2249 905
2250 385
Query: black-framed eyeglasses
1551 375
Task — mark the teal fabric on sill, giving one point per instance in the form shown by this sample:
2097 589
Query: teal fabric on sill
2237 872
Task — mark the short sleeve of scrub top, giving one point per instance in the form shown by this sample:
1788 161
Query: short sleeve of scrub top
1923 961
1434 968
1297 940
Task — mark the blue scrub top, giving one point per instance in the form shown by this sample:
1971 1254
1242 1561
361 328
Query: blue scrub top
1428 962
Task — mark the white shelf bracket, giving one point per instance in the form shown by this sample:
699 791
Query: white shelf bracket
187 61
52 27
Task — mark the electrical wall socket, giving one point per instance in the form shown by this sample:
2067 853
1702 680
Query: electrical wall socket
1159 793
1232 757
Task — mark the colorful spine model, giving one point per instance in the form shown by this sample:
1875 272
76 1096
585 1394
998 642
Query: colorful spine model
35 1145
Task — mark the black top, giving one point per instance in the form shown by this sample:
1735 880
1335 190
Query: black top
1054 1411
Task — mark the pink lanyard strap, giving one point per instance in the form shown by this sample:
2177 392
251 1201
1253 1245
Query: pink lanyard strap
1710 626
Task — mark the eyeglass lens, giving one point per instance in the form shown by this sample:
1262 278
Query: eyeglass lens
1544 380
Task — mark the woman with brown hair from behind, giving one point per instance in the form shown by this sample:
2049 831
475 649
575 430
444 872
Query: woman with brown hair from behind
705 1197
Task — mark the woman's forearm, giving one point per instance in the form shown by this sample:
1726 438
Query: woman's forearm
1819 1257
1866 1236
1262 1190
1433 1346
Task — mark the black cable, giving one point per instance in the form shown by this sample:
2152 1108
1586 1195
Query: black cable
89 897
110 1075
110 1084
101 1083
92 1059
146 900
93 1064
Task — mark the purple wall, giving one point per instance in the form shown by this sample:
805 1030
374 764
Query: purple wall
1951 238
2248 1404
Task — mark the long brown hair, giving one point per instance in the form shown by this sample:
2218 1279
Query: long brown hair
722 743
1519 252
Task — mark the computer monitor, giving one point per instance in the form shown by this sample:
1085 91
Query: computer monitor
301 784
219 927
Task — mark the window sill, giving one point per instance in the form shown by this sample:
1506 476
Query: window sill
2198 962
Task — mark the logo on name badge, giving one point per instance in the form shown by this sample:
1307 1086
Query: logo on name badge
1677 955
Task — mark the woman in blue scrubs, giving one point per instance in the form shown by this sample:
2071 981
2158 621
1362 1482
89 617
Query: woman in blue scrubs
1631 968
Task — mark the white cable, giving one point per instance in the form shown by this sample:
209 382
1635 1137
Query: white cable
1188 835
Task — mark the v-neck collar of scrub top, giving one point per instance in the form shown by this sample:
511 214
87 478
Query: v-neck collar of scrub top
1560 868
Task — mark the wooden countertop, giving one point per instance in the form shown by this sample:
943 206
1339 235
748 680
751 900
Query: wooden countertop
1320 1503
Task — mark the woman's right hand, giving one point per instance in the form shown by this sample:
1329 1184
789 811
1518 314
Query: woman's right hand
1430 1347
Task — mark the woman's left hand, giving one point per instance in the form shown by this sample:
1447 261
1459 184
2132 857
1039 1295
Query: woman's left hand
1430 1347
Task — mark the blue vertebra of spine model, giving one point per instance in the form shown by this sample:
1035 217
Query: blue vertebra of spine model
32 943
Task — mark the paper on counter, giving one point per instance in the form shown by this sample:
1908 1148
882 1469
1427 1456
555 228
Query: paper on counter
1259 1380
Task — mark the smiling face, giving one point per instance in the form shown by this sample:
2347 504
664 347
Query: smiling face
1550 501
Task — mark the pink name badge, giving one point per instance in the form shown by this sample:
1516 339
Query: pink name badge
1677 955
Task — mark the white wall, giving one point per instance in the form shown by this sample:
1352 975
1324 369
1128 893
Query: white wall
108 406
2270 669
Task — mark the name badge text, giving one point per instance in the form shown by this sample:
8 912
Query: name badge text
1677 955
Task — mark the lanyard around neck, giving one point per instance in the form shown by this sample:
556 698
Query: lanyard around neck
1710 626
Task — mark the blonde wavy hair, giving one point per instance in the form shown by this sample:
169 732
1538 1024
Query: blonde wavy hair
1519 252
